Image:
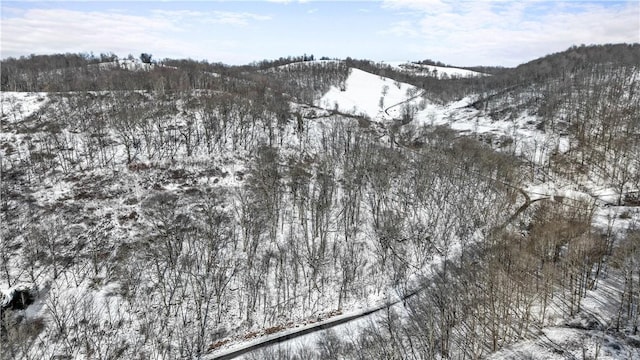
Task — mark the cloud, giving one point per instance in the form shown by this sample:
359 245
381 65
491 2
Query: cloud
51 30
402 28
212 17
510 32
235 18
426 6
162 32
288 1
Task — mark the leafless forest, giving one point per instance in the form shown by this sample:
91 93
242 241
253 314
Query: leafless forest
171 208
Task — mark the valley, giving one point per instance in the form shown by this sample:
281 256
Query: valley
182 209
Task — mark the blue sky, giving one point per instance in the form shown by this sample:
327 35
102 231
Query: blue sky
462 33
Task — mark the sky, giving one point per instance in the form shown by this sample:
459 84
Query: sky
462 33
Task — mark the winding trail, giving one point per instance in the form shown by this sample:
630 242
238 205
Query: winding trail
386 111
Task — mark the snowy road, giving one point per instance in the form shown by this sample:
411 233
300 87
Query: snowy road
298 332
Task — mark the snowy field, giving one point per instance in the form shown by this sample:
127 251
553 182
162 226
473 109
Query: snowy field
370 95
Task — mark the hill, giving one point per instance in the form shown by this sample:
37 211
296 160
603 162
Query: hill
185 209
440 72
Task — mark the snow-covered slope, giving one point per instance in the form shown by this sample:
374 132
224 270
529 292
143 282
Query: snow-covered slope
300 64
127 64
520 133
432 70
109 184
371 95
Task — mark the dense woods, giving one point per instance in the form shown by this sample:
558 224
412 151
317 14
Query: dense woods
163 209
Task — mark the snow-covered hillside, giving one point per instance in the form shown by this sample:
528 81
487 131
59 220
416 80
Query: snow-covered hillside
370 95
441 72
168 168
306 64
520 131
127 64
183 215
382 99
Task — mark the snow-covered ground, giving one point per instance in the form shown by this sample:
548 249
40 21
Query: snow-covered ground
306 63
433 70
382 100
127 64
370 95
588 335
